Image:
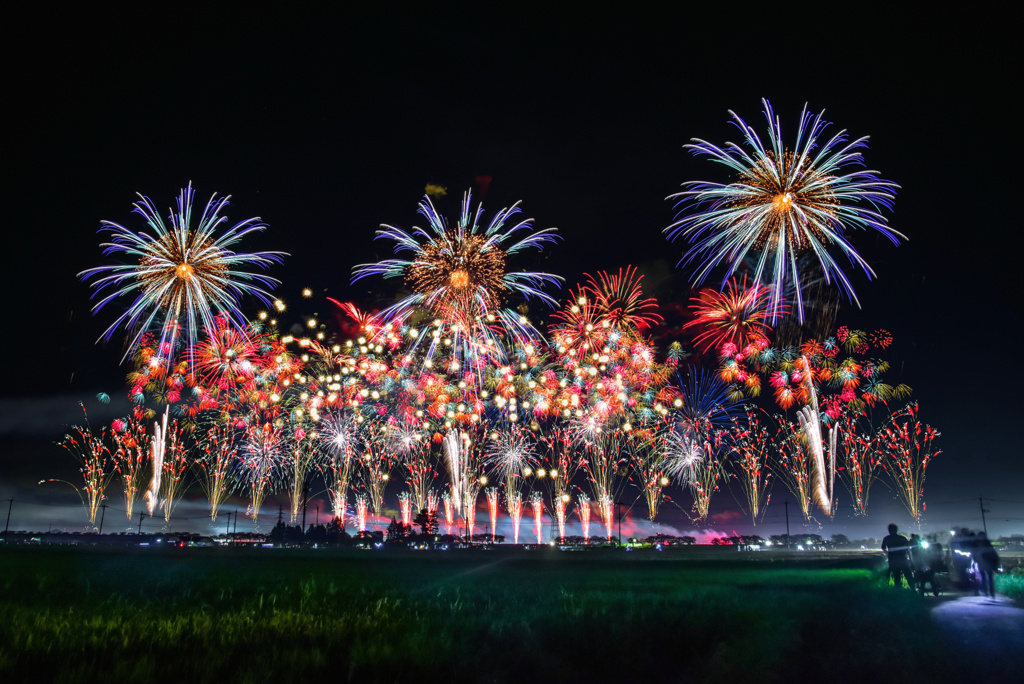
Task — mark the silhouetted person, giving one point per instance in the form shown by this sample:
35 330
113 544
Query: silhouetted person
934 562
897 548
988 562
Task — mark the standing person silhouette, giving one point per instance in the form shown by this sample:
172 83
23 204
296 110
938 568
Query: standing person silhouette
988 562
897 548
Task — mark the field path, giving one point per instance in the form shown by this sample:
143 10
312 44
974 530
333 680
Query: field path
986 635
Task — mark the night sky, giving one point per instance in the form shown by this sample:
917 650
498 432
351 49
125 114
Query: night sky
328 125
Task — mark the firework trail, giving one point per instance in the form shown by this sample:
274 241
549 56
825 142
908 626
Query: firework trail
129 456
823 471
514 501
432 501
863 458
157 449
361 508
794 466
180 274
606 506
561 502
262 464
341 436
449 511
218 474
537 503
457 453
751 443
784 203
94 457
909 448
459 277
303 457
583 510
405 508
648 461
492 509
419 473
375 464
469 511
175 463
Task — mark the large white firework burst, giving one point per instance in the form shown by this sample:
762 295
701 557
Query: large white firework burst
784 202
180 276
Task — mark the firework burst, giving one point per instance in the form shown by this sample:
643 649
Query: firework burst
738 315
785 202
181 275
459 277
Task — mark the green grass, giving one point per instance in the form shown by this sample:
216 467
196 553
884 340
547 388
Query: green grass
1012 584
209 615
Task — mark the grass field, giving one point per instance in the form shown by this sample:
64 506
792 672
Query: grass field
216 615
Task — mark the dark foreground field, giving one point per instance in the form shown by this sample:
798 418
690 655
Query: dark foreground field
216 615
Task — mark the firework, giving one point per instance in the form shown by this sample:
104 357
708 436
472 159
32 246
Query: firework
514 502
909 446
794 466
157 450
784 203
176 462
361 508
469 507
583 510
862 458
405 508
737 315
303 457
179 275
129 456
606 507
621 300
510 455
492 509
460 278
375 465
751 444
93 455
461 459
649 463
449 511
262 463
340 434
216 464
537 503
823 469
432 501
561 501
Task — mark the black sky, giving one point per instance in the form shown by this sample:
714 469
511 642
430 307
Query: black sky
327 125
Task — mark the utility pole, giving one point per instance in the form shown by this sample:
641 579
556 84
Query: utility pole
10 505
787 523
141 516
102 516
227 532
236 521
318 516
981 504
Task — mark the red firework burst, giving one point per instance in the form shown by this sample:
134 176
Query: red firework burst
738 315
